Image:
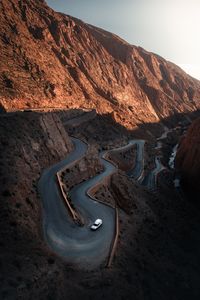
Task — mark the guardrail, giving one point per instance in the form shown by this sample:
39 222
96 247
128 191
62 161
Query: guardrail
114 245
76 218
74 214
115 239
89 193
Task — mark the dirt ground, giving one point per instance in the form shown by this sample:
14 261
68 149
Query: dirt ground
158 253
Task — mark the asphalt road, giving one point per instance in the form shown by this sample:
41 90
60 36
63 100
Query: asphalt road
138 170
77 245
151 178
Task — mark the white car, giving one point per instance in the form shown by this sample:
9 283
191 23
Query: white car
96 224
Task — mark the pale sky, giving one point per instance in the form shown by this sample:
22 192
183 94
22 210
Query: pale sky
170 28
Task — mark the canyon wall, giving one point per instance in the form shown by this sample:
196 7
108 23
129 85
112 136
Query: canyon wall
29 143
49 59
188 159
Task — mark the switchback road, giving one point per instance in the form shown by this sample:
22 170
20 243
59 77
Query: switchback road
80 245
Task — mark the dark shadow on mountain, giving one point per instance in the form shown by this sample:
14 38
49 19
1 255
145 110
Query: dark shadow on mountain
104 128
165 259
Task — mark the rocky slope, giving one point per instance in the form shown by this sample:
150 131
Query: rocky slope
82 170
29 143
152 258
50 59
188 158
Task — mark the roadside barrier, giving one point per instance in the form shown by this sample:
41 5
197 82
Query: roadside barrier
115 240
74 215
72 212
77 219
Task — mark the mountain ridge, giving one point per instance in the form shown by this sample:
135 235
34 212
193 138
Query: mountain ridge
52 59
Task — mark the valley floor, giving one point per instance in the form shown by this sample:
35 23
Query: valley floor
158 253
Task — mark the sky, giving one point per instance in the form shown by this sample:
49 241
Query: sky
170 28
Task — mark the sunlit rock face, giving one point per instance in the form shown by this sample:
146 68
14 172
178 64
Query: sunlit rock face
53 60
188 159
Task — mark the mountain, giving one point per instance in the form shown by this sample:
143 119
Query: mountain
188 159
49 59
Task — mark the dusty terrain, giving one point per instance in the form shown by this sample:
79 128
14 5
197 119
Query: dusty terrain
158 251
29 143
125 160
87 167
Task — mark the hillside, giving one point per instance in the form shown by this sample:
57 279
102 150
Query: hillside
188 159
158 248
106 93
49 59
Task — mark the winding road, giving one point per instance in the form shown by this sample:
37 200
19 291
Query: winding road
77 245
172 156
138 170
151 179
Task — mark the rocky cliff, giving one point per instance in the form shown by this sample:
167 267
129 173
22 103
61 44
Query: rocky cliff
29 143
49 59
188 158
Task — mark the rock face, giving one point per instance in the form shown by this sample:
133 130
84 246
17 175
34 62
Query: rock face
125 159
29 143
53 60
123 191
188 158
85 168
